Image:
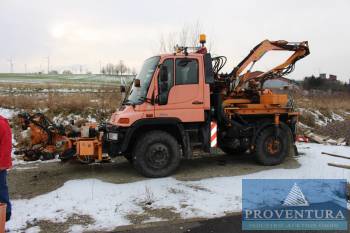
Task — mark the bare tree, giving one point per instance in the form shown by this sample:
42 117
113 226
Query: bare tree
133 71
67 72
109 69
118 69
187 36
122 67
103 70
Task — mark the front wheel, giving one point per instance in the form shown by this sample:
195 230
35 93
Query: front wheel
271 147
156 154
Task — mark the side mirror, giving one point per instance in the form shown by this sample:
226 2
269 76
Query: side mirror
163 75
122 89
137 83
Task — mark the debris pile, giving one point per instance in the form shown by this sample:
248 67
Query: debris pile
314 137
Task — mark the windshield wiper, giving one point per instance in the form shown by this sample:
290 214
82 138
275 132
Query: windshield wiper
127 102
147 100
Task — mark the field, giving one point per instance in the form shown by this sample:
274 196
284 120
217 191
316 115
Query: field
92 79
96 96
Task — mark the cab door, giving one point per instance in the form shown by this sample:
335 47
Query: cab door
181 95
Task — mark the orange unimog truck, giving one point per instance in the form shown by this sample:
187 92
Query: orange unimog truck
180 102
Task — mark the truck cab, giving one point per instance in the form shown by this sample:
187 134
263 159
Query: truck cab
168 86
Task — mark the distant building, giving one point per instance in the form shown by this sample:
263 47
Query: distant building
332 77
281 83
324 75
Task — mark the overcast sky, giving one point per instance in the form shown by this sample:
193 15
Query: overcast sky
83 32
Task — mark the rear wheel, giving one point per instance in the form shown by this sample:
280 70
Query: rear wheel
156 154
272 148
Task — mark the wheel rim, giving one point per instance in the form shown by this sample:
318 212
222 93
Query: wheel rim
273 146
158 156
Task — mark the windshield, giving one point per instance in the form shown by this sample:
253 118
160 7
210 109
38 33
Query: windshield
137 95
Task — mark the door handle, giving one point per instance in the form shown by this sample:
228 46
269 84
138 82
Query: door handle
197 102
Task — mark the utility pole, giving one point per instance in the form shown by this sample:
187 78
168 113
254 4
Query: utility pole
100 67
11 64
25 68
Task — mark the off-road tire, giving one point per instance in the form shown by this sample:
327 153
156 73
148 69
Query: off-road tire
277 154
156 154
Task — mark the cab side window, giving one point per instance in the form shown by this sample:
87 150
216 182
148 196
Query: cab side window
164 87
186 71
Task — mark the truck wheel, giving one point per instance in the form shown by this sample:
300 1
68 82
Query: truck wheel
272 149
156 154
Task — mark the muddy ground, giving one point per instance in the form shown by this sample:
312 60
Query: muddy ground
30 180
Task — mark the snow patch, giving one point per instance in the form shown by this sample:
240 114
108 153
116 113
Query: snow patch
321 119
303 125
337 117
109 204
35 229
7 113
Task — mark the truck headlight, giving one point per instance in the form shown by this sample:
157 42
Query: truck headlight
113 136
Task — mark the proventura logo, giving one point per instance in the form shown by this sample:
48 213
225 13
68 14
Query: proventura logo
278 204
295 197
289 214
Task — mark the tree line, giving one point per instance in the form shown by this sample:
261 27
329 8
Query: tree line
117 69
324 84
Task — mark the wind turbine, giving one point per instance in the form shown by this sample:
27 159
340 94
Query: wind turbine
11 64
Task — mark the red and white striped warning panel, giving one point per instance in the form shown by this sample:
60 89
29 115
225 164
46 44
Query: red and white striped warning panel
213 133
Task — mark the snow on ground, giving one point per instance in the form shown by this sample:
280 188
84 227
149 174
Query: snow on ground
321 119
7 113
109 204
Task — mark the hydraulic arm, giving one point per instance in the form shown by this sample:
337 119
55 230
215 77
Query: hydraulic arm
301 49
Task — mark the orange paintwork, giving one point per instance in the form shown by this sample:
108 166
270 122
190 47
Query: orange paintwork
38 136
85 147
300 51
277 119
132 113
257 109
278 99
89 147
